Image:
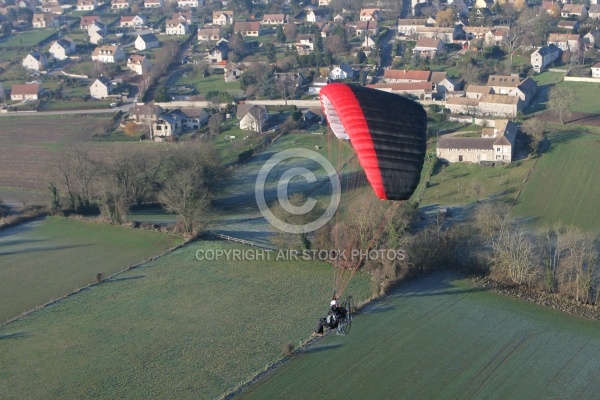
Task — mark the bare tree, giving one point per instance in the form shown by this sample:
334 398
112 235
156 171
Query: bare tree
75 176
560 100
515 256
512 42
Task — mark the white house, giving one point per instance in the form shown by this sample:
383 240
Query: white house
62 48
544 56
252 117
108 54
596 70
222 17
318 15
138 64
154 3
35 61
189 3
120 4
86 5
342 71
101 88
176 27
133 21
29 91
146 41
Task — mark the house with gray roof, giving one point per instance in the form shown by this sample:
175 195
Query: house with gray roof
146 41
252 117
173 123
544 56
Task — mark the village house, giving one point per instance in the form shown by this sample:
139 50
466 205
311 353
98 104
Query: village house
29 91
596 70
222 17
62 48
146 41
186 16
367 28
138 64
442 84
87 20
218 53
419 90
325 28
120 4
566 41
275 19
173 123
503 84
232 72
428 47
145 113
108 54
304 44
189 3
496 36
324 3
446 35
594 11
496 145
252 117
476 32
87 5
209 34
35 61
318 15
341 72
97 26
176 27
96 37
154 3
317 84
569 26
551 7
52 7
500 105
476 91
252 28
405 76
462 105
133 21
101 88
408 26
544 56
45 20
369 14
287 80
574 11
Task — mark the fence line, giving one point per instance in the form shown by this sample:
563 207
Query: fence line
241 241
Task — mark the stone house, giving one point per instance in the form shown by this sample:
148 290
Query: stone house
405 75
419 90
544 56
408 26
500 105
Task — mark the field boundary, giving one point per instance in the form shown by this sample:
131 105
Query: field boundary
92 284
241 241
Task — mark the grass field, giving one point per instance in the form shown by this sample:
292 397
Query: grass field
454 184
174 328
563 184
29 146
46 259
28 38
211 83
437 338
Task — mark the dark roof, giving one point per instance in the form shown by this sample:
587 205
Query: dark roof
146 109
253 109
149 37
551 48
450 142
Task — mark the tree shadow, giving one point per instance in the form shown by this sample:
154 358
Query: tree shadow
14 335
43 248
317 349
16 242
445 292
125 278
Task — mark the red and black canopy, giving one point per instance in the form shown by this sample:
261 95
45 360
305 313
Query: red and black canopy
387 131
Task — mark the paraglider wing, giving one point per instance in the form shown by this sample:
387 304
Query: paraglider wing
387 131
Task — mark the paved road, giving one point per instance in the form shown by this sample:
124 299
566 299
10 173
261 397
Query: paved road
125 107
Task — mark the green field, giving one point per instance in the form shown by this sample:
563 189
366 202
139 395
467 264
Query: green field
211 83
28 38
49 258
563 186
586 96
176 328
454 184
437 338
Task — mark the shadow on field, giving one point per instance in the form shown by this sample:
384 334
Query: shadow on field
444 292
325 347
43 248
125 278
16 242
14 335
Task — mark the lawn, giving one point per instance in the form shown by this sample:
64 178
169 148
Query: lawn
27 39
210 83
586 96
177 327
454 183
49 258
439 338
562 184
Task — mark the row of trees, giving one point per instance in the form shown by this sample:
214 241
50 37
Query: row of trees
180 177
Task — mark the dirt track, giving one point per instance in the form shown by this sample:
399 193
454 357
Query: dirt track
573 119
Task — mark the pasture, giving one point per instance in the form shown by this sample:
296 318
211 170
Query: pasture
45 259
27 39
563 185
210 83
439 338
177 327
